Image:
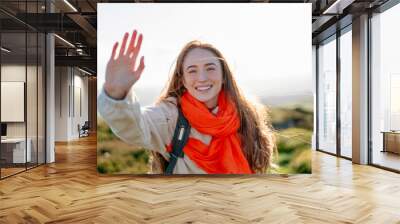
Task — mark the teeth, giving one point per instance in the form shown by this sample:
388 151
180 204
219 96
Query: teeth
202 88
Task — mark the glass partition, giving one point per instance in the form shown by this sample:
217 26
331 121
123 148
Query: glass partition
31 97
14 154
327 96
346 93
22 87
385 89
41 91
33 64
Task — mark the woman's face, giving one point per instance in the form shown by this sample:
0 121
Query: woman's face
202 76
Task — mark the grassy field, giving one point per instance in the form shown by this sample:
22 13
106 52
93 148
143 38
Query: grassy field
115 156
293 129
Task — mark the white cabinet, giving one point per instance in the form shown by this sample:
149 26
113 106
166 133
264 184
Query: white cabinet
18 149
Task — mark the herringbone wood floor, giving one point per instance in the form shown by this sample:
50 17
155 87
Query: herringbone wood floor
71 191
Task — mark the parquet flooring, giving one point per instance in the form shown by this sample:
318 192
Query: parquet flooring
9 171
71 191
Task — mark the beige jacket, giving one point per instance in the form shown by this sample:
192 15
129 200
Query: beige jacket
149 127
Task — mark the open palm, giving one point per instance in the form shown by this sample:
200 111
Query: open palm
120 72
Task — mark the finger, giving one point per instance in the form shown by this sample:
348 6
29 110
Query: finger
132 42
122 50
138 45
114 51
133 62
140 68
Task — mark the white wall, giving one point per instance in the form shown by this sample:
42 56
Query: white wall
70 83
61 103
12 73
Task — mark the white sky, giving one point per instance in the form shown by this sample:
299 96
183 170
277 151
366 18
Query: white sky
267 45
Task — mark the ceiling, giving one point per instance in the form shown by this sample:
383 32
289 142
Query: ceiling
76 22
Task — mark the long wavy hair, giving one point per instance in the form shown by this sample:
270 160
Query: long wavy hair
256 135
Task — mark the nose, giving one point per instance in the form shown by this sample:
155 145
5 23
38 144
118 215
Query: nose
202 75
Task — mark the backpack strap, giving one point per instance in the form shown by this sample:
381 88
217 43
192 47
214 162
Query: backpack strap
181 135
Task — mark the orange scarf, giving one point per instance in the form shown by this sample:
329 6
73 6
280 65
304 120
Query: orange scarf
224 154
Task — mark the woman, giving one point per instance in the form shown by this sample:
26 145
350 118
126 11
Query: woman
228 134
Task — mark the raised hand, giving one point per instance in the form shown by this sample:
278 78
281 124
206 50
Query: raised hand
120 72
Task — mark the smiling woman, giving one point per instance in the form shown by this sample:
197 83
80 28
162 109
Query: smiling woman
201 124
203 76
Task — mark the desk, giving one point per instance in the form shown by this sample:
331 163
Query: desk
391 141
15 148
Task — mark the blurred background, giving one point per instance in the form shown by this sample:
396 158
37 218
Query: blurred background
293 124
